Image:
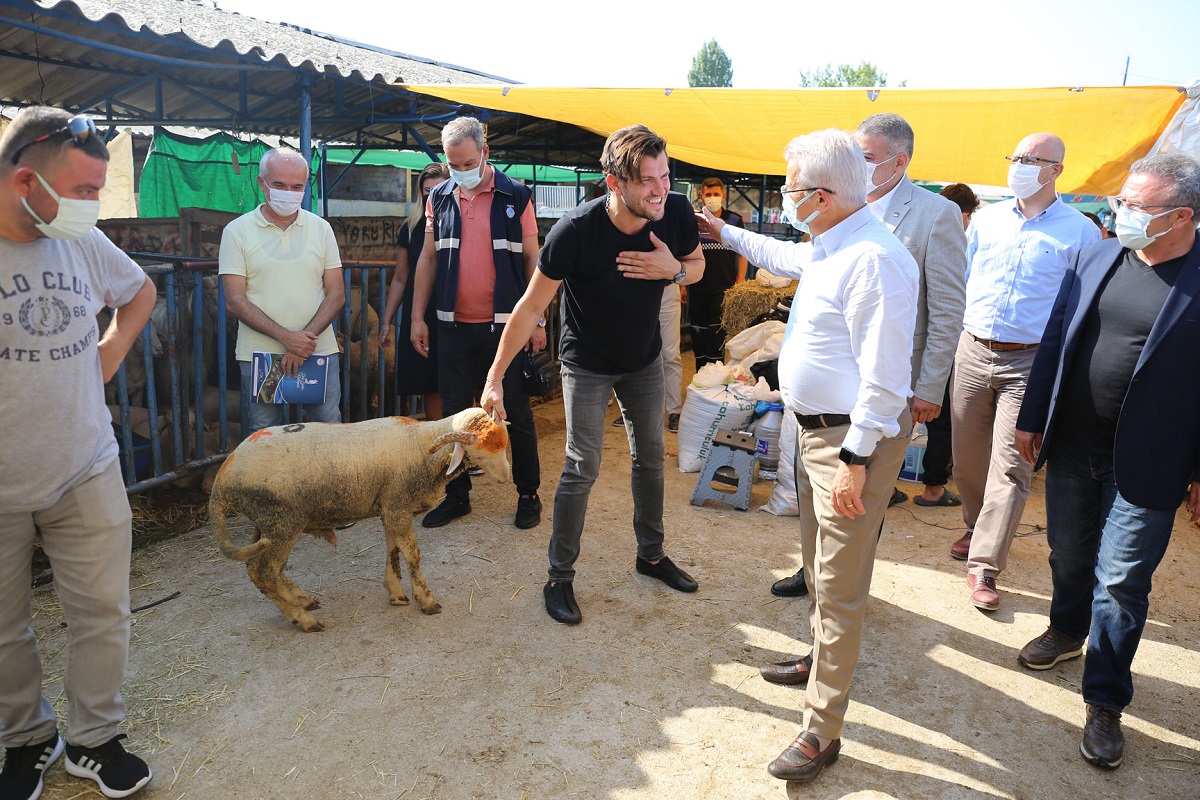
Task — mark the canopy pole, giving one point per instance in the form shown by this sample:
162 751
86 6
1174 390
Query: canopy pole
306 132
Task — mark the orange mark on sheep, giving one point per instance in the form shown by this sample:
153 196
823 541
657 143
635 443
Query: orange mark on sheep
492 437
256 434
405 420
226 463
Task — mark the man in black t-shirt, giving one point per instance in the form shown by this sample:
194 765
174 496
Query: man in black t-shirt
1111 402
723 268
613 256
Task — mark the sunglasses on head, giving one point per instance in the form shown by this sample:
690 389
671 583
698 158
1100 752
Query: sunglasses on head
79 127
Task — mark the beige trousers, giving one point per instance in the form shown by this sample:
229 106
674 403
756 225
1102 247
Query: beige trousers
839 556
992 478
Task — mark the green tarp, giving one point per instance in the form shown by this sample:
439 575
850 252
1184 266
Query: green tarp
219 172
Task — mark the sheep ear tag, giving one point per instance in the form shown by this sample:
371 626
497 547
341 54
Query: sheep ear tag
456 458
496 418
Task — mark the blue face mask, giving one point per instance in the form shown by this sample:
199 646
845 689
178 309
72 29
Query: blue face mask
469 179
789 213
1131 227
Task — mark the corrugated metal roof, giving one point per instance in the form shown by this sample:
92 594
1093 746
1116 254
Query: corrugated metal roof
181 62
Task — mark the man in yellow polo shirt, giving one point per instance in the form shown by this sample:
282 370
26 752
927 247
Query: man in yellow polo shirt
282 275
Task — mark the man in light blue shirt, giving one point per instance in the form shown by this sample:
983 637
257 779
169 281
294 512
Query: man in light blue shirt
1017 252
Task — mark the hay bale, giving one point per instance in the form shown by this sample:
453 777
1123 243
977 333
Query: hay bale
746 300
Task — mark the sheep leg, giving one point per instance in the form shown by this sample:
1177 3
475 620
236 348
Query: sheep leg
391 574
266 572
401 531
300 596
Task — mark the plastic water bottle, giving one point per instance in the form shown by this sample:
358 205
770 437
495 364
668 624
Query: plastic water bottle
766 430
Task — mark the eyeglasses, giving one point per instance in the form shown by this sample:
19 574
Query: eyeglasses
79 127
1116 204
784 190
1030 161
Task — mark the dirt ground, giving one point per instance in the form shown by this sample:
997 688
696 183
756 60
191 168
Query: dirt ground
656 694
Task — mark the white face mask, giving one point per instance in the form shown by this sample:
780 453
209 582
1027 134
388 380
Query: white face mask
1131 227
871 184
789 213
1023 180
713 204
472 177
74 219
285 204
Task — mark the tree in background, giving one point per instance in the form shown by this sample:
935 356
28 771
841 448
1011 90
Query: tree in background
865 74
711 67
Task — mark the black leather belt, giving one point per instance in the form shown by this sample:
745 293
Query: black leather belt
812 422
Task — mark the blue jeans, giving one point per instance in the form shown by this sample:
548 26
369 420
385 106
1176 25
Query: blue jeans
267 415
585 397
1103 553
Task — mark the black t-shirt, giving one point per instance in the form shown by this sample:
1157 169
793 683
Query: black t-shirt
720 262
610 322
1110 343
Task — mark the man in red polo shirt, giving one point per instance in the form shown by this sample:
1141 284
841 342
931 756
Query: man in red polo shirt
481 248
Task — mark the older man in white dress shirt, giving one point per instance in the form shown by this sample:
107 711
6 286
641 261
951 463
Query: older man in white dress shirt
844 371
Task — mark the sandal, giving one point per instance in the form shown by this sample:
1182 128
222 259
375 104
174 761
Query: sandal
948 498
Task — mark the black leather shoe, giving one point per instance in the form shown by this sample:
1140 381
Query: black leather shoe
804 759
666 571
788 673
560 602
529 511
795 586
447 511
1103 742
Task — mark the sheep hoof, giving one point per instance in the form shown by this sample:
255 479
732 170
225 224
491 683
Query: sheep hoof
313 605
402 600
432 609
311 626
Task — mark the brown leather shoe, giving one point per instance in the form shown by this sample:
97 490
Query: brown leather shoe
983 592
804 759
962 548
1048 649
788 673
1103 742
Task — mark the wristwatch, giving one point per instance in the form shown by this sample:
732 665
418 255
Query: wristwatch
542 322
852 458
680 276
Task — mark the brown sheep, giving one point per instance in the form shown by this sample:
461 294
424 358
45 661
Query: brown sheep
314 477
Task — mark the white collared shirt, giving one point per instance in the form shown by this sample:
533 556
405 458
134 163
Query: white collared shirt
848 344
881 206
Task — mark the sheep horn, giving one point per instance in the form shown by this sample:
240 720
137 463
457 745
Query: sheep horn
458 438
456 458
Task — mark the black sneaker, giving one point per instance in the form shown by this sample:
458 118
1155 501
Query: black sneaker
118 773
529 511
673 423
445 512
24 767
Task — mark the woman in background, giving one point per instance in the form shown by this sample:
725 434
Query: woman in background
415 374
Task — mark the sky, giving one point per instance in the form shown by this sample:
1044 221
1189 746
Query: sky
930 44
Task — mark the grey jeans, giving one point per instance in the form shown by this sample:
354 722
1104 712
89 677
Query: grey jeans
585 397
87 536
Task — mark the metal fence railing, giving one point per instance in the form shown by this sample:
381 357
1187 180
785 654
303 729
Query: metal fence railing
179 384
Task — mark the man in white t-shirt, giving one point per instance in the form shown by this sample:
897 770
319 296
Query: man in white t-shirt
283 281
60 480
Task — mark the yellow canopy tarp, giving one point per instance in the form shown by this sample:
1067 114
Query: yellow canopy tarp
961 135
